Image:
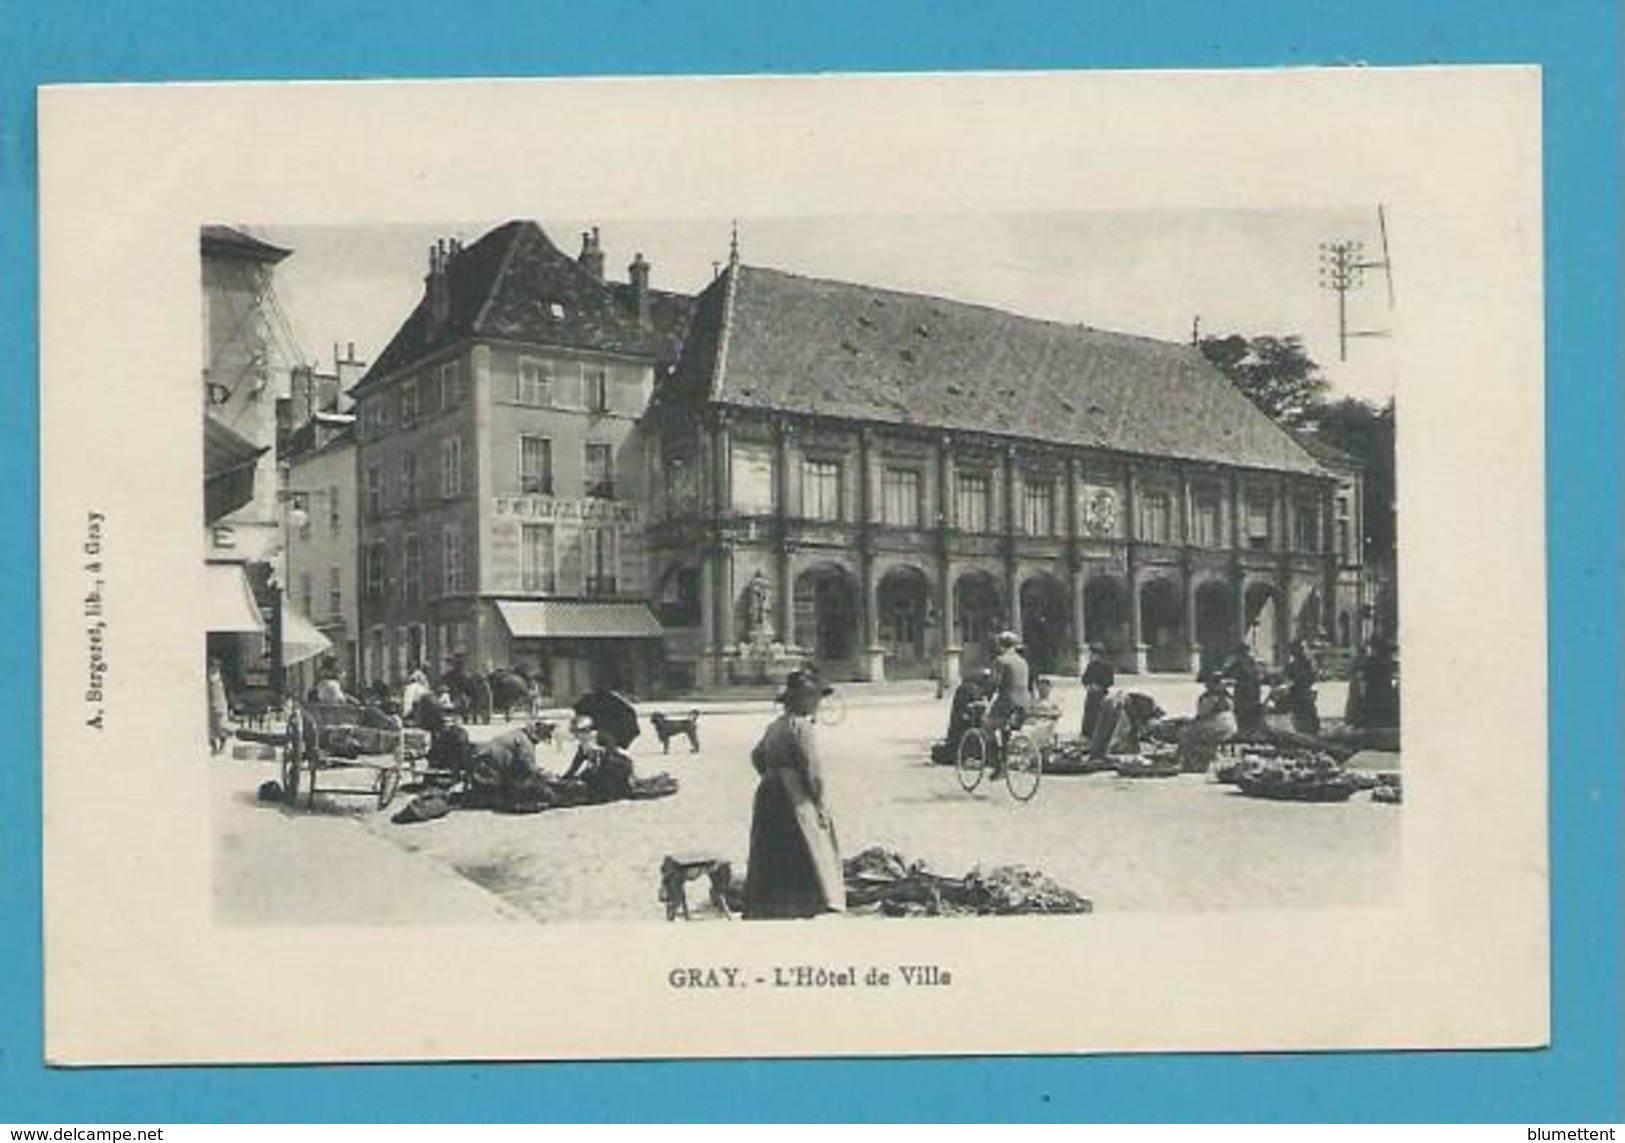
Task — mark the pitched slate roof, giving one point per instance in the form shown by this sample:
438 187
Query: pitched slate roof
766 339
511 283
1323 451
229 240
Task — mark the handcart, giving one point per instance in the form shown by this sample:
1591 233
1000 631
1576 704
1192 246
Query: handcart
324 739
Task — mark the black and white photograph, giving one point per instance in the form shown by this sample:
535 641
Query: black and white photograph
1044 598
848 577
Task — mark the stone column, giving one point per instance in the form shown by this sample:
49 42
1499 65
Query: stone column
872 653
1136 631
1331 561
1193 649
952 651
1238 543
1289 516
1187 516
1012 585
786 632
726 603
706 670
1131 532
722 471
946 619
1074 564
1238 510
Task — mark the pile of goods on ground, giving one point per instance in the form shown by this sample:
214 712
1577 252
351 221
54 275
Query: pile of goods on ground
1072 757
1388 789
881 881
1157 761
1308 776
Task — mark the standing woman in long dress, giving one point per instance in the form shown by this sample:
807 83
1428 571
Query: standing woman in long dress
795 859
219 709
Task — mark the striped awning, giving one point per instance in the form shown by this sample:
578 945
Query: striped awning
578 619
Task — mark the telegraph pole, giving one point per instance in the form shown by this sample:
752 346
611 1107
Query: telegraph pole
1342 268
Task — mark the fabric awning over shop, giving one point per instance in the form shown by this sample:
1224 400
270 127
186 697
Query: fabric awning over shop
300 639
229 463
578 619
228 601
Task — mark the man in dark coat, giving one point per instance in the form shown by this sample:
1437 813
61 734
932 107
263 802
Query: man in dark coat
972 689
1248 692
1376 678
1301 677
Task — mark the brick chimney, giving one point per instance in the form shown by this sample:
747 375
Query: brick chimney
437 286
591 257
638 274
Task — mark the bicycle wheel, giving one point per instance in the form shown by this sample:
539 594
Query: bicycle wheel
831 711
971 759
1023 767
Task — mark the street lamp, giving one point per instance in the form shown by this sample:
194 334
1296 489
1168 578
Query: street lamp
295 518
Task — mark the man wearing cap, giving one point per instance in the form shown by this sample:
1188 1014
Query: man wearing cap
507 763
795 860
1012 688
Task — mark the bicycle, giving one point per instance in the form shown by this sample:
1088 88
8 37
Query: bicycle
831 711
1012 752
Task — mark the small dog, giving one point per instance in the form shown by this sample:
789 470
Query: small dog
669 726
677 872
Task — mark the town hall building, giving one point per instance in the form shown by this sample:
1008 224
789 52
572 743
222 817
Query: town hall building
881 481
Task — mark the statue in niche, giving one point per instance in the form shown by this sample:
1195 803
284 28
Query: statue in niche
759 609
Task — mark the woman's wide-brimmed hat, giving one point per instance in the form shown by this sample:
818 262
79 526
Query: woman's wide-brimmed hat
1008 639
803 683
582 723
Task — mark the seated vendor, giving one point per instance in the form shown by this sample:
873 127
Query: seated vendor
1125 717
448 742
977 687
329 689
605 769
1044 704
1044 713
1214 724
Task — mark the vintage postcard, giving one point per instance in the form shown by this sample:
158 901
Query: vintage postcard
794 566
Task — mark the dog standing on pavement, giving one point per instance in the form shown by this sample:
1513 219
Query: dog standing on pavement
669 726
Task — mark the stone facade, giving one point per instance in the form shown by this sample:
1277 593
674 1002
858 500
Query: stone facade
933 542
821 448
500 461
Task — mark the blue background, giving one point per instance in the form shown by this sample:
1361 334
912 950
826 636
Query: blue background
1578 44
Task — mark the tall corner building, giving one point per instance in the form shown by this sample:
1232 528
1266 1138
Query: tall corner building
501 471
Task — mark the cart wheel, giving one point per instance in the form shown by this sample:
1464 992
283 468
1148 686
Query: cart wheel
971 759
831 711
389 781
293 755
1023 767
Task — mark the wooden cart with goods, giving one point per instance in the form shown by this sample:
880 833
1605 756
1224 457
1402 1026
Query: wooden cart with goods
325 740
